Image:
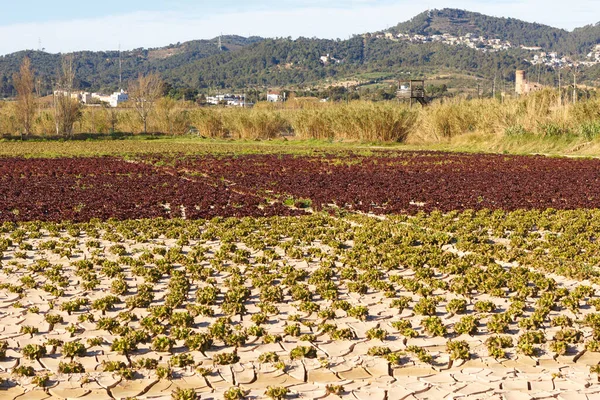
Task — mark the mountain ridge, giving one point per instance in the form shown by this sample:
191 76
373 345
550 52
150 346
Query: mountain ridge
258 62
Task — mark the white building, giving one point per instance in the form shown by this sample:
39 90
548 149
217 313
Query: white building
228 99
118 97
232 100
274 97
114 99
83 97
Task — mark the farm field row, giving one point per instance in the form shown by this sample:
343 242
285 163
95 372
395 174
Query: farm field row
174 186
472 304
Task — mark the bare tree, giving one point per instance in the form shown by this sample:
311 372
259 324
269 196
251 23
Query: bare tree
112 116
24 83
144 92
67 110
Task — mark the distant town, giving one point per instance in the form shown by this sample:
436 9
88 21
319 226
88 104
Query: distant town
480 43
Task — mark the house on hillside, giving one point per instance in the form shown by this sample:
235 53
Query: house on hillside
274 97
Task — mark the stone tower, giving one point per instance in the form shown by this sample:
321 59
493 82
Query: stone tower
520 82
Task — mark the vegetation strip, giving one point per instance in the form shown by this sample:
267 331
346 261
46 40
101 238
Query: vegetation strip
206 186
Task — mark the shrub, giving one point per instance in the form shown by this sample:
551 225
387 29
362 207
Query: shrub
146 363
41 380
72 349
342 334
181 360
276 393
53 319
334 389
467 325
380 122
485 306
113 366
458 350
124 345
401 303
200 342
426 306
379 351
72 367
303 352
292 330
162 343
498 323
569 335
456 306
182 319
593 345
34 351
434 326
22 370
164 372
270 357
401 325
184 394
256 124
421 354
359 312
558 347
376 333
234 393
226 358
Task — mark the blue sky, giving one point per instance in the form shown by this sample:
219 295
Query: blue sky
69 25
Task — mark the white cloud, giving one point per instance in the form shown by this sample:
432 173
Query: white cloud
153 29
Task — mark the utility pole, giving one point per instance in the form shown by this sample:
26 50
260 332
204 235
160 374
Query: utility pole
575 84
559 89
494 86
120 69
347 94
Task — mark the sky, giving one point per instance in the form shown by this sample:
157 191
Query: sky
73 25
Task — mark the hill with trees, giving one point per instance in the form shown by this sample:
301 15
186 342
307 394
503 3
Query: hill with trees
460 22
243 63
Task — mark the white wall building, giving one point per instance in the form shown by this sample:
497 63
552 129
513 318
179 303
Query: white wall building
233 100
274 97
118 97
114 99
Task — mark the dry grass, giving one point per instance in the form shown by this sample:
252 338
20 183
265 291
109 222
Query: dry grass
537 118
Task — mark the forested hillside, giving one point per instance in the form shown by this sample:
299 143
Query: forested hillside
99 71
460 22
256 62
285 62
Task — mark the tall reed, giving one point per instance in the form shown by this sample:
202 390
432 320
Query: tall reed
536 115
